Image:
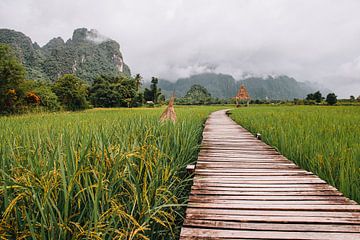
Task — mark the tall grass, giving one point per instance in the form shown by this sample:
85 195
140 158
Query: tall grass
324 140
99 174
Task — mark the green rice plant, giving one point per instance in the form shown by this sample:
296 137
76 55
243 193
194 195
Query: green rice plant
321 139
98 174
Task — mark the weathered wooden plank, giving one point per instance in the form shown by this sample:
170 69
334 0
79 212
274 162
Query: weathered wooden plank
230 154
276 219
292 227
271 197
257 178
244 166
252 170
351 208
264 184
255 189
231 174
268 202
230 212
243 160
262 193
245 189
244 163
207 233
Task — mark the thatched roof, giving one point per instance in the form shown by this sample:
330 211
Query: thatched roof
242 94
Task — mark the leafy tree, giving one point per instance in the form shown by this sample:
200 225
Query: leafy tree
198 92
12 74
114 92
138 99
148 95
161 99
72 92
310 97
154 92
317 97
47 98
137 80
352 98
331 98
102 94
127 89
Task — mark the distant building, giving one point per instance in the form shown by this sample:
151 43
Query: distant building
242 96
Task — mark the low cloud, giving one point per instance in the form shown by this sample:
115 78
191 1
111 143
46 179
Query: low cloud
350 69
317 41
94 36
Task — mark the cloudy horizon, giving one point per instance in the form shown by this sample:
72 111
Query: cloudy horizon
316 41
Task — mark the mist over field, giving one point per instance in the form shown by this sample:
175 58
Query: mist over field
316 41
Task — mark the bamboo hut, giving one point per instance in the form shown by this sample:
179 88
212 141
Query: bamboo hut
169 113
242 96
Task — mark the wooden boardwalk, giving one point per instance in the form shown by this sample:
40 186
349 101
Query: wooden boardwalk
244 189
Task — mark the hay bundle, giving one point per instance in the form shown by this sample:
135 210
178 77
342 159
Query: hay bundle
169 113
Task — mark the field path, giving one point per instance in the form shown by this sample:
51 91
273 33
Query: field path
244 189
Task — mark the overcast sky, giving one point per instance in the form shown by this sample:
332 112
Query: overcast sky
310 40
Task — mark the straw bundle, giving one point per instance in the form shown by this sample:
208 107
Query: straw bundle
169 113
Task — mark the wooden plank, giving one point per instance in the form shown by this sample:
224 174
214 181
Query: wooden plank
263 193
270 197
252 170
269 184
206 233
276 219
230 212
351 208
242 160
267 202
255 189
236 155
244 189
244 166
258 178
293 227
245 163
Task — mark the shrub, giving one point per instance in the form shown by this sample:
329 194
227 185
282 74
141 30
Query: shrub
72 92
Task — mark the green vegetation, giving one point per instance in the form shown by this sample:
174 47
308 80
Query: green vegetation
224 86
316 97
87 54
153 94
19 95
98 174
198 92
117 91
12 74
199 95
72 92
331 99
324 140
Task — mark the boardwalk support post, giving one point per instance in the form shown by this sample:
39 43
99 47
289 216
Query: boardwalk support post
190 168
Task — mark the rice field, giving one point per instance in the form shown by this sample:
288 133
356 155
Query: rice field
321 139
98 174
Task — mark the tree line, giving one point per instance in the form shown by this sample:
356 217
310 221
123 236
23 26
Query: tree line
68 92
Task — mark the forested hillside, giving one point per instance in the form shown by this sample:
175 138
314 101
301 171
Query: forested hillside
225 86
87 54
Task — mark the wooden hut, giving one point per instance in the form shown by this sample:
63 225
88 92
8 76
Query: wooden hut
242 96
